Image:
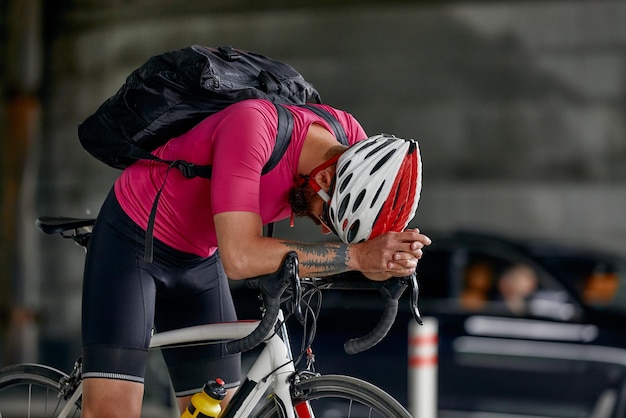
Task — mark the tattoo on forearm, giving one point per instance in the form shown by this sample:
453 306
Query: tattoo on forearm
321 259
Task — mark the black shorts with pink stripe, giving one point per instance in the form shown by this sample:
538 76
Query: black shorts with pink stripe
125 299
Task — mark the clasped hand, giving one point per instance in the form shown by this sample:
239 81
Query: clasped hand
393 254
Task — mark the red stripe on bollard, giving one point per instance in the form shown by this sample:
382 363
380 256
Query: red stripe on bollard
424 339
423 361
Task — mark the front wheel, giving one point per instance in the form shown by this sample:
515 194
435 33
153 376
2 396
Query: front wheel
337 397
32 390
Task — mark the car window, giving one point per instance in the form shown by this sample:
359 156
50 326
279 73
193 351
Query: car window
494 283
600 282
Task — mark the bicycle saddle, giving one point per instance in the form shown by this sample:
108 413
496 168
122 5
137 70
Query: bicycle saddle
58 224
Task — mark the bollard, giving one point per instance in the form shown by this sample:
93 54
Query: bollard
423 359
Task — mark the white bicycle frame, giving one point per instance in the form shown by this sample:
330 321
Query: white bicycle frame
270 372
273 372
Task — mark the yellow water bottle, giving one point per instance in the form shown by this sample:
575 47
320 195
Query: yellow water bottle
206 404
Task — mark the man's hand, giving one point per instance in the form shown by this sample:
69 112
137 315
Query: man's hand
394 254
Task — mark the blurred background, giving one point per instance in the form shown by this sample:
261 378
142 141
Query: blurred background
519 108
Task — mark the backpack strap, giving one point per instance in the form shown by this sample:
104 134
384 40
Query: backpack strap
338 130
189 170
283 138
284 129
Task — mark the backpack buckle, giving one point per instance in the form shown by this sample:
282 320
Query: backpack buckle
189 170
229 53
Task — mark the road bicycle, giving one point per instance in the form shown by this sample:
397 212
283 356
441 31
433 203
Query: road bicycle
276 386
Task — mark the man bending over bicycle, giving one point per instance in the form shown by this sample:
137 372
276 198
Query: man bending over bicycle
365 193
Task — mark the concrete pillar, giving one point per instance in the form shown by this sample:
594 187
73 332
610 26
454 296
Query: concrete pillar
19 277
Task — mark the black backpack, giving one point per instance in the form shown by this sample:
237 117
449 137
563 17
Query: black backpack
174 91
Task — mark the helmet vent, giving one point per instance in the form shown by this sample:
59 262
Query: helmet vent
353 231
382 161
377 194
377 149
343 206
358 201
364 145
345 182
344 168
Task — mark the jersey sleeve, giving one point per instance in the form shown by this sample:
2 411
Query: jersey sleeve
243 143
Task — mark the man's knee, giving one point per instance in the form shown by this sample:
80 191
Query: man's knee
110 398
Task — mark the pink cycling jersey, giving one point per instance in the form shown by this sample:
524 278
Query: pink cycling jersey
237 141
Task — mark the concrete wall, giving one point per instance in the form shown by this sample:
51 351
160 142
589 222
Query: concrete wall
526 95
519 107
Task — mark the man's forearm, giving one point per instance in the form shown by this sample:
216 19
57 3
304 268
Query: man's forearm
320 259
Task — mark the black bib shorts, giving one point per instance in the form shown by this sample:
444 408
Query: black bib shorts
125 298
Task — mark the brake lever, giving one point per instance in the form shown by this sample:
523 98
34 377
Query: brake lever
414 298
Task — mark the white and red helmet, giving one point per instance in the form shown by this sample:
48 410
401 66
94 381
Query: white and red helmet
377 188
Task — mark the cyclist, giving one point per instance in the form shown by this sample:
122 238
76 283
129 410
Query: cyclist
186 284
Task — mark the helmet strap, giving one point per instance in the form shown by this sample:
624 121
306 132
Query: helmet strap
314 185
326 211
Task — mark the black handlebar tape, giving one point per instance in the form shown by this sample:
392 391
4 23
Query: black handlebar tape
369 340
256 337
272 287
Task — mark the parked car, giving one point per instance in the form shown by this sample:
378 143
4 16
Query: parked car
526 329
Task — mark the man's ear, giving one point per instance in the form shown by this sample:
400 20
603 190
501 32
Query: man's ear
325 177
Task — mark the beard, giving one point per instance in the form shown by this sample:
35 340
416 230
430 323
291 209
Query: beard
301 197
